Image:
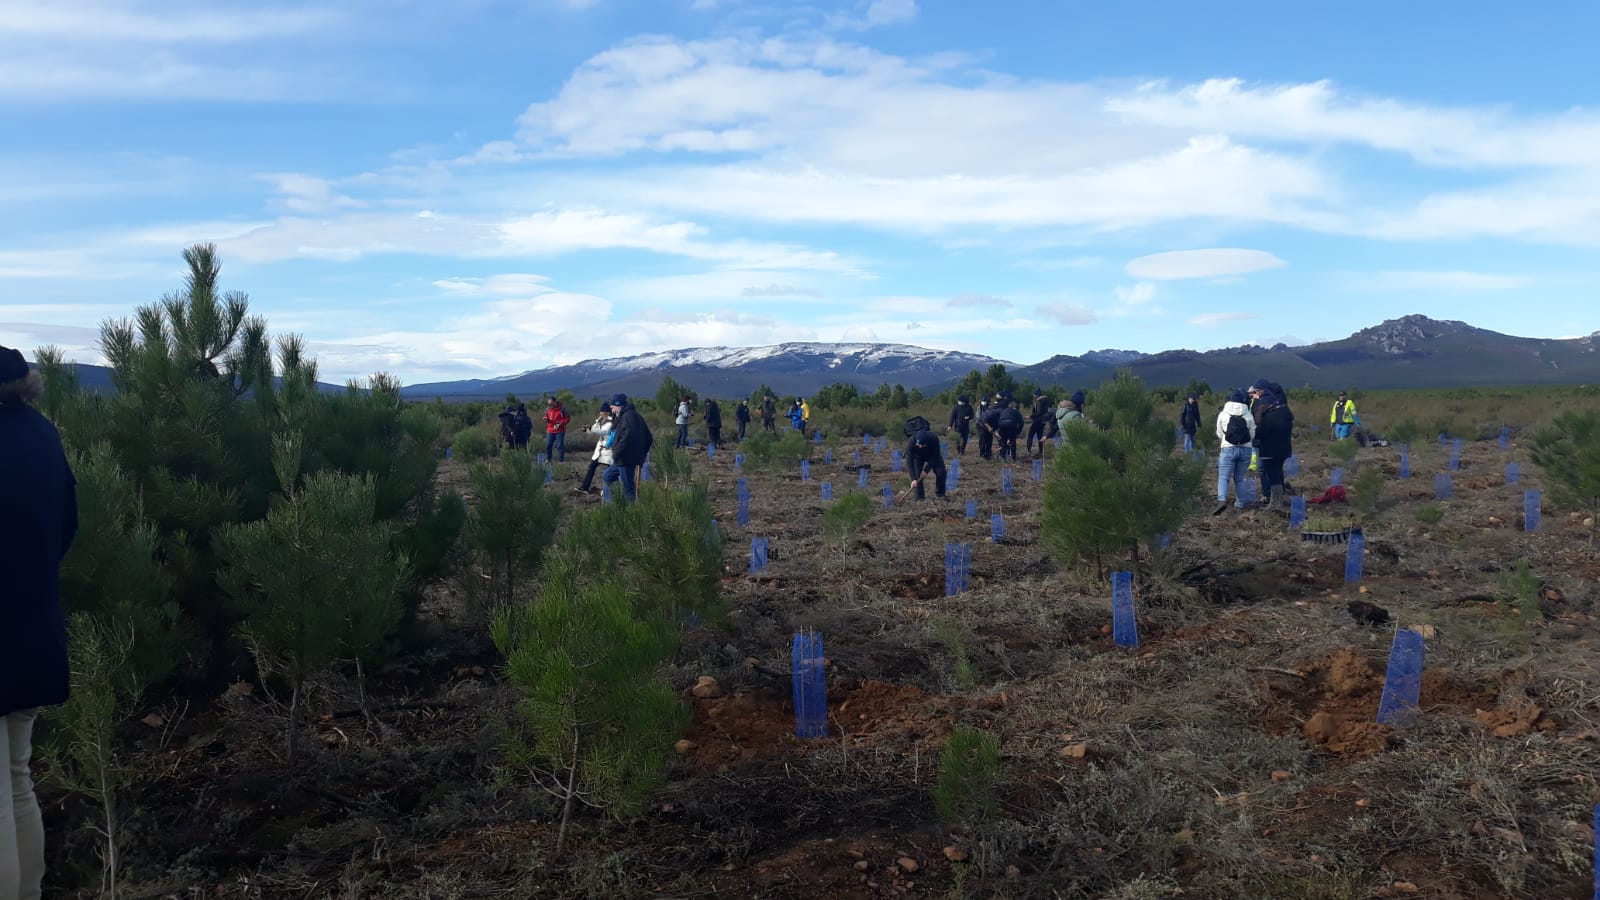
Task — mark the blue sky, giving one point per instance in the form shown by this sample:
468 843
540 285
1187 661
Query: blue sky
461 188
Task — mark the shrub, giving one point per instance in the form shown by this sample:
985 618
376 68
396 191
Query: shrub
765 451
1404 432
949 634
1430 514
430 539
1569 454
1367 491
1117 482
1344 452
969 772
846 516
472 445
513 519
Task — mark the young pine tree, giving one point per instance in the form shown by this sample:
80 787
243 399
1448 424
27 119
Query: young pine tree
317 577
1569 453
512 520
1117 482
597 718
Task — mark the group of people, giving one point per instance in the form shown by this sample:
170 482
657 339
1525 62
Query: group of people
1256 430
516 428
623 442
999 422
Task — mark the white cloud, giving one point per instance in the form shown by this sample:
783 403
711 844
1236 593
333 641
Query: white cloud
1444 281
308 193
1212 263
774 289
890 12
1136 295
165 23
1212 320
977 300
1067 313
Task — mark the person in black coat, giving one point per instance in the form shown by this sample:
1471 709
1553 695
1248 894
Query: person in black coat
742 416
1008 427
522 426
988 429
38 520
1040 416
713 423
508 427
1274 444
630 447
961 416
923 456
1189 421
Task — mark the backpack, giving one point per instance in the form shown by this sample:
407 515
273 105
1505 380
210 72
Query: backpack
1238 431
916 424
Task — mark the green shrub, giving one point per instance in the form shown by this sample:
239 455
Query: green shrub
430 539
969 772
846 516
1404 432
949 634
765 451
1430 514
512 520
1367 491
1344 452
1569 454
472 445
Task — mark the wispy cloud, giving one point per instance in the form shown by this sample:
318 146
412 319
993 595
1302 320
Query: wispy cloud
977 300
84 21
779 290
1213 263
1213 320
1069 314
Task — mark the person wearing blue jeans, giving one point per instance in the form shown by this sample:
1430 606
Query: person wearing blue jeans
630 445
1236 429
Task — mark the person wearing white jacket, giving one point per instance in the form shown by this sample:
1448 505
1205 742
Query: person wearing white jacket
602 449
1236 429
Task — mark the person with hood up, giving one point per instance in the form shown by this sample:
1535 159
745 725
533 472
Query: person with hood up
742 417
923 456
1236 429
1274 443
508 427
1189 421
630 445
601 458
769 414
1343 418
797 417
988 429
961 416
38 520
556 420
1040 415
1008 427
521 428
685 413
713 423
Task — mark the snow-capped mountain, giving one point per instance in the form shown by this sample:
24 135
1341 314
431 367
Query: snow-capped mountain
793 368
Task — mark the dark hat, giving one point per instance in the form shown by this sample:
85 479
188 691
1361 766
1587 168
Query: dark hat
962 398
1261 385
1194 396
12 366
619 400
1077 399
1236 397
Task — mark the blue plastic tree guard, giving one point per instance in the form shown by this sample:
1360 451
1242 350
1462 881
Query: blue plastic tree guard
1455 456
644 471
1038 470
1297 510
957 562
1513 472
855 457
1405 462
447 453
1354 556
1247 490
896 462
805 470
827 490
742 487
711 451
861 477
1163 541
1005 481
972 509
1336 476
549 475
1443 439
1402 684
997 528
1443 486
738 460
1505 437
888 495
818 438
952 479
1530 510
810 686
827 456
758 555
743 515
1291 466
1124 626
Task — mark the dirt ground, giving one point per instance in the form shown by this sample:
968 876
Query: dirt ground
1234 754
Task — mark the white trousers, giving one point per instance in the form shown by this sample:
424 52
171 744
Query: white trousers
21 826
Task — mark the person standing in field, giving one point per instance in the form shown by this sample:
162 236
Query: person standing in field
923 456
713 423
630 445
521 428
1040 415
38 520
1343 418
601 458
508 427
555 428
1066 414
1009 427
1275 443
1236 429
988 429
742 417
769 414
797 417
961 416
805 416
682 421
1189 421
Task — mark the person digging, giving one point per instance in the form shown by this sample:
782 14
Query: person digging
923 456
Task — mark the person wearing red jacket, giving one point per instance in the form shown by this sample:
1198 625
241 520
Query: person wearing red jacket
555 431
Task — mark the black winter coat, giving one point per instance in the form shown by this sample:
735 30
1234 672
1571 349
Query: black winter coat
38 520
713 415
961 416
742 414
1189 419
922 452
1275 433
633 438
1010 421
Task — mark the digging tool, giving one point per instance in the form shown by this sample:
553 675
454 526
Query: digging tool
914 482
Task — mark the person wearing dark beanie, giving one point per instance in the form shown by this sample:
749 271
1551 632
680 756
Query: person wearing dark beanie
38 520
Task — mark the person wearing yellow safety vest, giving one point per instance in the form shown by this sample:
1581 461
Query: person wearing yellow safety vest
1343 419
805 416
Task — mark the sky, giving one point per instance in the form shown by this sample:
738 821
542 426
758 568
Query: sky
446 189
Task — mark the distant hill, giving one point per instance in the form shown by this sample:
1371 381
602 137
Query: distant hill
98 379
797 368
1411 351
